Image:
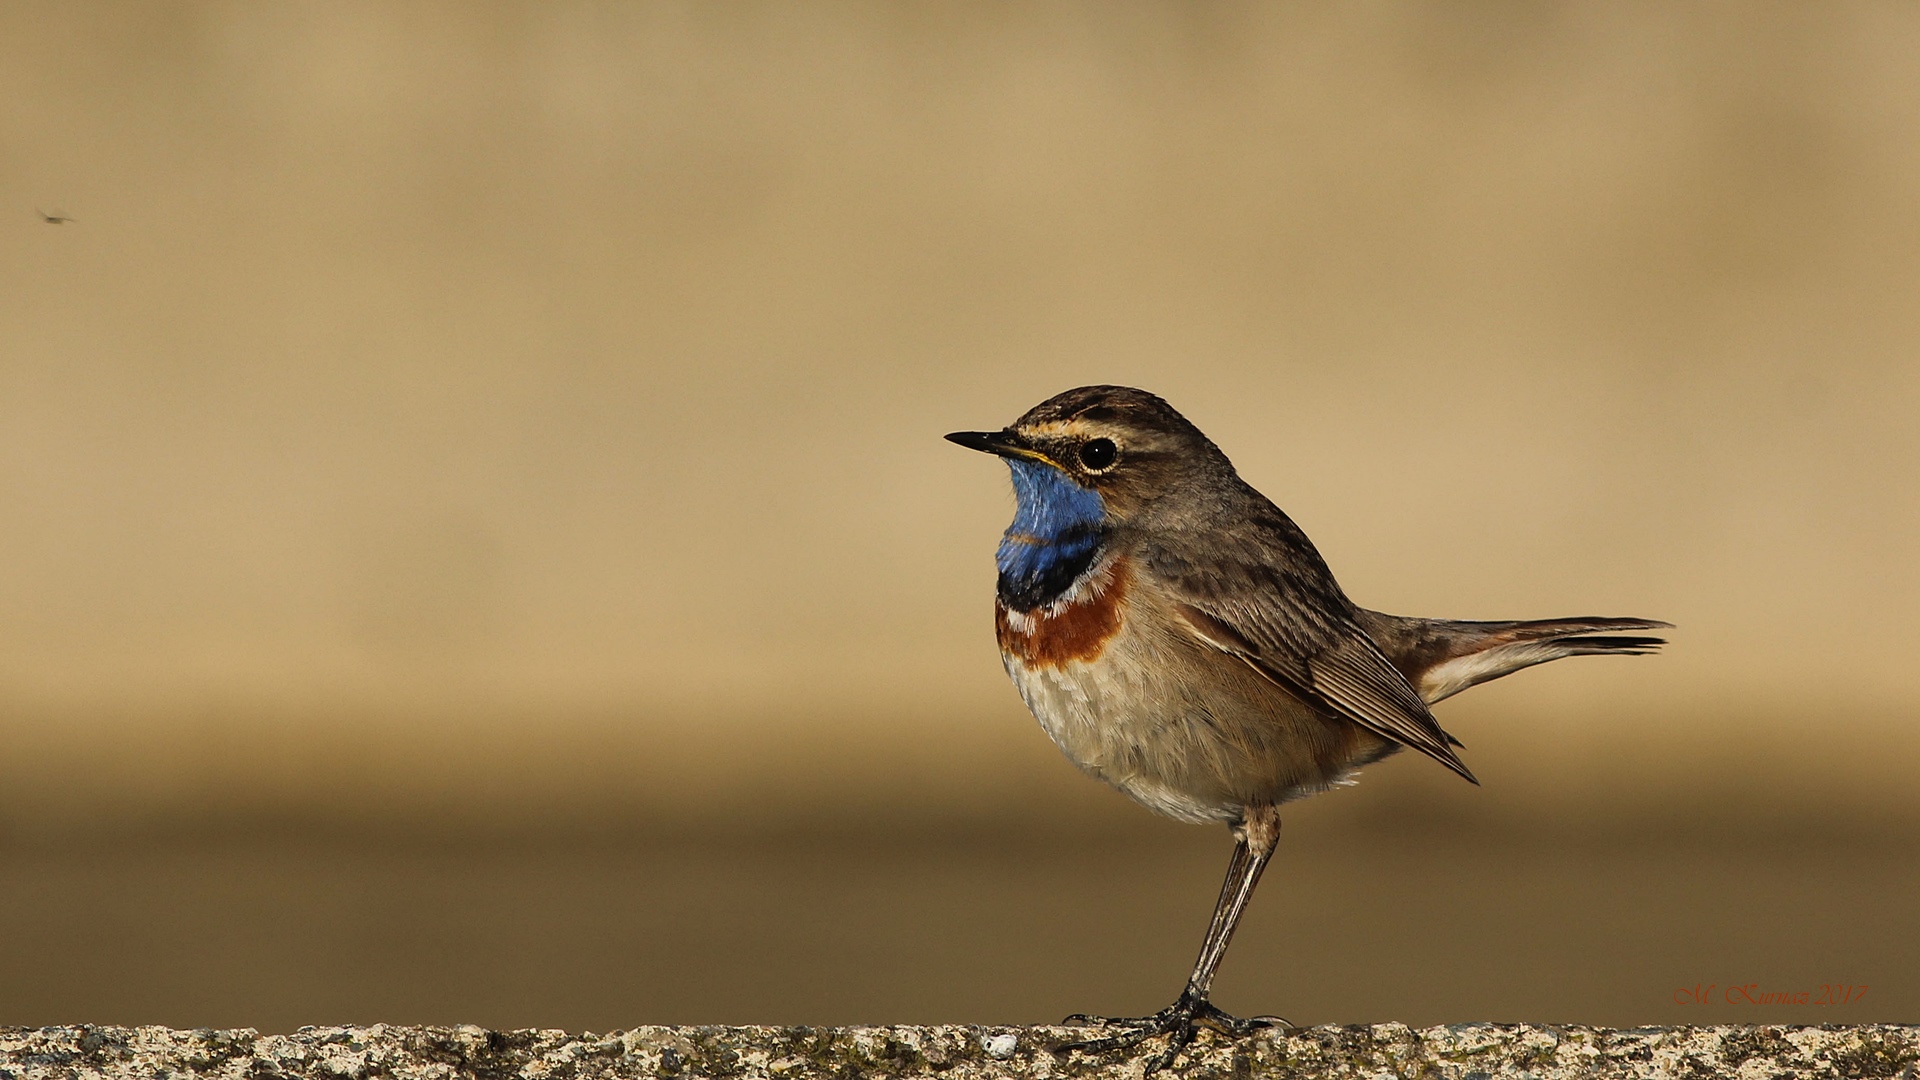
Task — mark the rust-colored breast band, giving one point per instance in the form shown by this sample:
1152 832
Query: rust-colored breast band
1080 631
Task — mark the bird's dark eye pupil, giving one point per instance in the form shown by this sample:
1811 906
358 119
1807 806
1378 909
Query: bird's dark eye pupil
1098 453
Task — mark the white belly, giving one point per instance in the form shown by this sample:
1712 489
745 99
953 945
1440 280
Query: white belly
1109 718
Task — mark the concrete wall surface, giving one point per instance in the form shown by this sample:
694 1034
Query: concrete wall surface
958 1052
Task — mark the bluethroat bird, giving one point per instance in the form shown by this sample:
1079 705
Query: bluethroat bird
1178 636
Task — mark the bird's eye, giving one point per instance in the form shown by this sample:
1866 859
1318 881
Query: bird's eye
1098 455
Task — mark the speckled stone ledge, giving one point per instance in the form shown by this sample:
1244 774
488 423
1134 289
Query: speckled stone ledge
1460 1052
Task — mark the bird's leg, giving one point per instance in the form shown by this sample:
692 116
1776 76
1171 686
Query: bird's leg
1255 836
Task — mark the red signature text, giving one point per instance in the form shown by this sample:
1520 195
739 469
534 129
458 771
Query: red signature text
1755 994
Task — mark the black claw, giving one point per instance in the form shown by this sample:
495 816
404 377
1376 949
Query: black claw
1179 1022
1177 1040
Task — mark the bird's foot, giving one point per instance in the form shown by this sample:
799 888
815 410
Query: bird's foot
1179 1022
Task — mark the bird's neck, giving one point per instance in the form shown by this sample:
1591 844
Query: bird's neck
1056 536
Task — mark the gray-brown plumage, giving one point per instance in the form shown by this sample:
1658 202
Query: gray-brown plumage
1179 637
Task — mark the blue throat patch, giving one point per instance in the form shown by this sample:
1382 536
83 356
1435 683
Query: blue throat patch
1056 534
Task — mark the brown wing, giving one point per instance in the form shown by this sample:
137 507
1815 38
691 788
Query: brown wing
1271 602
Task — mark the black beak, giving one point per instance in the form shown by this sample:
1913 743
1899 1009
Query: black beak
1004 443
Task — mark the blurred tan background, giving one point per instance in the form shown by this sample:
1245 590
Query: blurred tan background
478 547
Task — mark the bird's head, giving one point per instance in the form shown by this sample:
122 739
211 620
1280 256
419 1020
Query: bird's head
1102 453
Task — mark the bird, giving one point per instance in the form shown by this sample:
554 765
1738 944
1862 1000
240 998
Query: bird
1180 638
54 218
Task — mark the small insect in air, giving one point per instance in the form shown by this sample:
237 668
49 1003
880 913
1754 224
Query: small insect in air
55 218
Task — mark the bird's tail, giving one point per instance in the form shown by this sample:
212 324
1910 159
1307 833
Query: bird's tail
1442 657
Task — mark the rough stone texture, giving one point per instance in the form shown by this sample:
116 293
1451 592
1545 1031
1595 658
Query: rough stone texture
1461 1052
